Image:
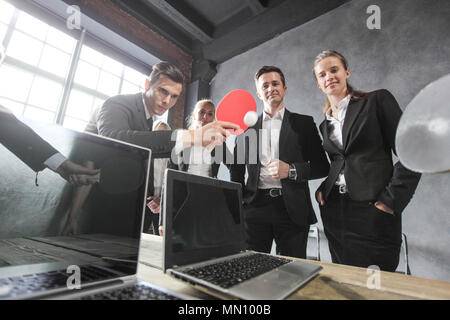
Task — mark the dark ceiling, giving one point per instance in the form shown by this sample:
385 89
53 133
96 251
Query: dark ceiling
217 30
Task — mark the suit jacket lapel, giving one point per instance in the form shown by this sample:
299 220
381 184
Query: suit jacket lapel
284 133
352 113
141 112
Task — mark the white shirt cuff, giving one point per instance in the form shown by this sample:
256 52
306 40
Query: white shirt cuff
55 161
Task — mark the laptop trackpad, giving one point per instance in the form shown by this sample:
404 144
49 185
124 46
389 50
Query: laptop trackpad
276 284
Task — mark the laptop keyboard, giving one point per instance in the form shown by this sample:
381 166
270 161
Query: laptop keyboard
35 283
231 272
136 292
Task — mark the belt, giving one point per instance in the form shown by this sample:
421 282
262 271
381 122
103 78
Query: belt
341 189
274 192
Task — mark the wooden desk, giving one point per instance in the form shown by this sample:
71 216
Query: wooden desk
336 282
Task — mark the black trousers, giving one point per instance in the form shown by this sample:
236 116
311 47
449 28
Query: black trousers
359 234
151 222
266 218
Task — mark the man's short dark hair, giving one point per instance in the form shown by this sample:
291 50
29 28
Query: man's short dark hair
267 69
168 70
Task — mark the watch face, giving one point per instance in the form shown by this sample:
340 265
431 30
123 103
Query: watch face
291 173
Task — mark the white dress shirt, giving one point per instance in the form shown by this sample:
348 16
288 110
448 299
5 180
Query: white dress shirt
159 167
336 126
200 162
270 148
55 161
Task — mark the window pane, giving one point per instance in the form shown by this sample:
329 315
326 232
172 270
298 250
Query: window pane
14 83
14 107
92 56
25 48
129 88
134 76
108 84
39 114
55 61
3 29
45 94
74 124
61 40
97 104
87 75
6 11
32 26
112 66
80 105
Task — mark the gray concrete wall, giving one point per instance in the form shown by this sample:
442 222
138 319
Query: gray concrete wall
411 49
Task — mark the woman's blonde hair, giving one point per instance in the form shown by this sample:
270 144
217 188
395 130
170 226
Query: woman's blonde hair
190 120
354 94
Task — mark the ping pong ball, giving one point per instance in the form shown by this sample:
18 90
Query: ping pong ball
250 118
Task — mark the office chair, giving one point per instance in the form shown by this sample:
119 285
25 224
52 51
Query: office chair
314 234
404 250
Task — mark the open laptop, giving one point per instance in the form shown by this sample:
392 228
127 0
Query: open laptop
204 243
61 242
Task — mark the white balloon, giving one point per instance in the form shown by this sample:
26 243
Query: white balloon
250 118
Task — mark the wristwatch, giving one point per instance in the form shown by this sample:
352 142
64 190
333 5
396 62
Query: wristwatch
292 172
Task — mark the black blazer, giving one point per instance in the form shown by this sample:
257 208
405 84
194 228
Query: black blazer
369 140
123 118
299 144
23 141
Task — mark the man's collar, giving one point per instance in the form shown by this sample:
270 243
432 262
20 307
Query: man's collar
278 115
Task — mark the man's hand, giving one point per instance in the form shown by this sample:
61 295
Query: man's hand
161 230
154 204
381 206
320 199
78 175
214 133
278 169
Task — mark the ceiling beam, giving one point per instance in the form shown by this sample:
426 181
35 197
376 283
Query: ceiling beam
281 18
179 18
255 6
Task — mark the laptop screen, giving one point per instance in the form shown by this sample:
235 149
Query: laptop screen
202 218
55 225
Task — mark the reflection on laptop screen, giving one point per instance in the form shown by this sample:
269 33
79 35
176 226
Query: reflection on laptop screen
54 225
204 217
212 213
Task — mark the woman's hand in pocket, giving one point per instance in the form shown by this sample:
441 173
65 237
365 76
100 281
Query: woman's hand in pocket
381 206
320 199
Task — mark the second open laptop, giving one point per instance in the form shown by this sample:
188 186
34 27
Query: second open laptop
204 243
62 242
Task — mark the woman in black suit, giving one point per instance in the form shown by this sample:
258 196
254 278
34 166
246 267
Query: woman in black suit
362 198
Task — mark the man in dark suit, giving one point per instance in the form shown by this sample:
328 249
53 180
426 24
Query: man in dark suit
277 200
130 118
35 152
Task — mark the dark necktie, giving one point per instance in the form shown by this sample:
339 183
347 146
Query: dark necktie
150 123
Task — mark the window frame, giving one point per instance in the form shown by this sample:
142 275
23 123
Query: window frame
82 37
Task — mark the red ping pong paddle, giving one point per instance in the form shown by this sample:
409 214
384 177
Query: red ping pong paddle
233 108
